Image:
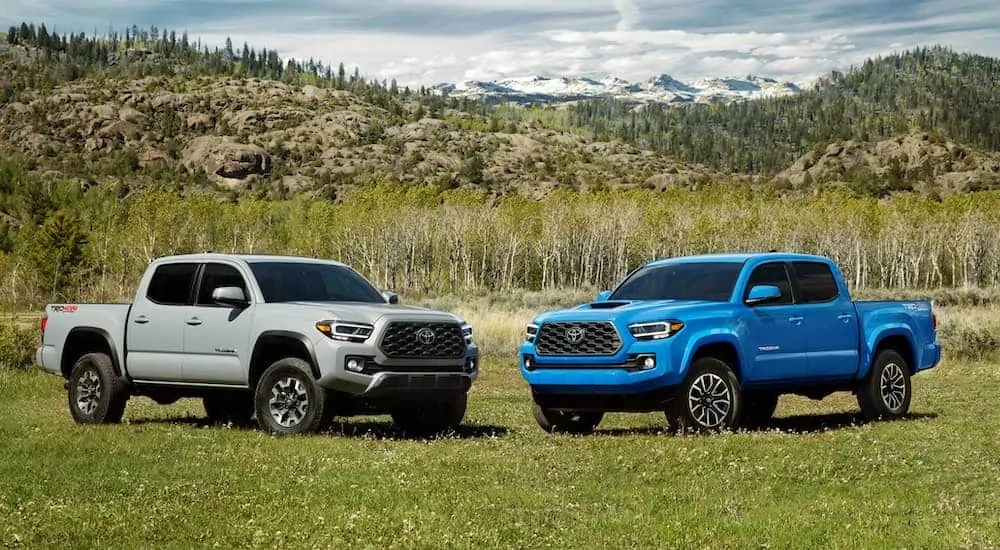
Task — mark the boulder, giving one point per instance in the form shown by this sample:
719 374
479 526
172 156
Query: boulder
224 158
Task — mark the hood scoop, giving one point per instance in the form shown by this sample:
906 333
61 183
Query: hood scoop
609 305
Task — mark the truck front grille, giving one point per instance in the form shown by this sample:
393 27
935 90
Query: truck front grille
407 339
582 338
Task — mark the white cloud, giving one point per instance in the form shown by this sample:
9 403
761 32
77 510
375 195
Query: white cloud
429 41
629 13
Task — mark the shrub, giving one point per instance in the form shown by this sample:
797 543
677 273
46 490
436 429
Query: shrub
17 347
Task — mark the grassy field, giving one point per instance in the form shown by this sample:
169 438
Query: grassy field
818 477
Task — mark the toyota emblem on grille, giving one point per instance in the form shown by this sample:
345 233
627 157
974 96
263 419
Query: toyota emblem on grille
575 335
425 336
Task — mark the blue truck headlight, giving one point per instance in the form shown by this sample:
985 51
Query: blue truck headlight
530 331
345 331
467 333
656 330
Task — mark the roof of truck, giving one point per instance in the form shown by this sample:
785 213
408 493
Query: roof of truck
741 257
248 258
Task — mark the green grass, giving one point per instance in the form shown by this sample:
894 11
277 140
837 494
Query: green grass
818 478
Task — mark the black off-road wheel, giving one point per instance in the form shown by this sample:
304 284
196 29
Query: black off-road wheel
431 417
709 399
758 409
885 392
288 401
572 422
96 396
229 408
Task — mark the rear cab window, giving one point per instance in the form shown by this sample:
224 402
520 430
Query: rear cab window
171 284
815 282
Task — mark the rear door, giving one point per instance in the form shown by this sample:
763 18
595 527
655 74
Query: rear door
775 336
216 336
831 320
155 330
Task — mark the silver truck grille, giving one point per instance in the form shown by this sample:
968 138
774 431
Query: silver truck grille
406 339
581 338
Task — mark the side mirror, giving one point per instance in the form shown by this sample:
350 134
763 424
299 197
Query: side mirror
391 297
603 295
762 294
230 296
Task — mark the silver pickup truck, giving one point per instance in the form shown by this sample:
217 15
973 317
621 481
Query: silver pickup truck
294 341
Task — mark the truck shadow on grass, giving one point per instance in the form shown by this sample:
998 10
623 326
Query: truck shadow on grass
367 429
798 424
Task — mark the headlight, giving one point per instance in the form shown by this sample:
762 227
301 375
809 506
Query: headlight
467 333
656 330
345 331
530 331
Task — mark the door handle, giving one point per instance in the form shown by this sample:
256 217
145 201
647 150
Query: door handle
796 319
193 321
141 320
845 317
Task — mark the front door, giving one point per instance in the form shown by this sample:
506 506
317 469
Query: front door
216 337
774 335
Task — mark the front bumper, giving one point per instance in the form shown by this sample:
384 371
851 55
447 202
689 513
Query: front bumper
620 374
383 375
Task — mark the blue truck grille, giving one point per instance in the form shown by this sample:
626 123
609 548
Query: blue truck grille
582 338
422 340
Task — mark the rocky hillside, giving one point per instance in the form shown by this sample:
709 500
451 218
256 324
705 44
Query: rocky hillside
243 134
919 161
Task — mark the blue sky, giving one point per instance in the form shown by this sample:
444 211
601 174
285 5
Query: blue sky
431 41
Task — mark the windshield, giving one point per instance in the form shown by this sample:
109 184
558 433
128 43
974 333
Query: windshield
711 281
312 282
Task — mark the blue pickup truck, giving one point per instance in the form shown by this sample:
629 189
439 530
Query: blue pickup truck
714 340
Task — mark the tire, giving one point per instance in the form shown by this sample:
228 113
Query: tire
288 401
758 409
431 417
573 422
709 399
229 408
96 396
885 392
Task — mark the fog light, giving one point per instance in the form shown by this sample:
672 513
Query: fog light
356 365
649 363
527 362
470 365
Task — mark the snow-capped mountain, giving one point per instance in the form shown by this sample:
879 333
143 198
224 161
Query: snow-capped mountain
661 89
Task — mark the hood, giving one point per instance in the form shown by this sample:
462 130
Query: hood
362 312
631 311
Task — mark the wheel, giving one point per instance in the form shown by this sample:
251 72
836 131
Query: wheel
235 408
885 392
431 417
758 408
709 399
96 396
287 400
574 422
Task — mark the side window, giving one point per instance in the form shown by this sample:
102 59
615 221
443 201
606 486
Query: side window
171 284
216 275
815 282
772 274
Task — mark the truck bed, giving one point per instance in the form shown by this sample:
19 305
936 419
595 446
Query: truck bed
105 319
914 315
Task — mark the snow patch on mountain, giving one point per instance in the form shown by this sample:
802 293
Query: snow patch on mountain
659 89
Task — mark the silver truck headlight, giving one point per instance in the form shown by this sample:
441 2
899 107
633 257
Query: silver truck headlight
656 330
530 331
467 333
345 331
